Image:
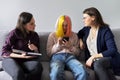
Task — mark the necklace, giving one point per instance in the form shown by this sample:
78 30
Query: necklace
93 32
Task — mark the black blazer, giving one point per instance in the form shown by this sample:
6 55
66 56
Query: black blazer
105 45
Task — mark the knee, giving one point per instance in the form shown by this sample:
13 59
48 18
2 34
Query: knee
97 64
56 67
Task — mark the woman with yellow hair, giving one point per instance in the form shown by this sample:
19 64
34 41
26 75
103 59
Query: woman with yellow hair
62 47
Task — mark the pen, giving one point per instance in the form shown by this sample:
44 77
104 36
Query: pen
29 42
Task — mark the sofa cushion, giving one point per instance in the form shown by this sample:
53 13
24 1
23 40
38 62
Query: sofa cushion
4 76
3 35
0 57
117 77
45 73
1 69
43 43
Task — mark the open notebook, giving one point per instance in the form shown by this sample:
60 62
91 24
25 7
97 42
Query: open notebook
28 53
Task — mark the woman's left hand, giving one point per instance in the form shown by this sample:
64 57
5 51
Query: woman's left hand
90 60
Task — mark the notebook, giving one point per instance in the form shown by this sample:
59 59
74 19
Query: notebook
27 53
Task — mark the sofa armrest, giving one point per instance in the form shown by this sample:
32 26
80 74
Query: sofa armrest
1 69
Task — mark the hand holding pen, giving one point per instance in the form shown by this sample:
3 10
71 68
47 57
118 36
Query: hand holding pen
32 46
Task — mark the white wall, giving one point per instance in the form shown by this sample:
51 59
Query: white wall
46 12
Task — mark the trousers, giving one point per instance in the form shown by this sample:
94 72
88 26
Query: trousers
23 69
58 63
103 70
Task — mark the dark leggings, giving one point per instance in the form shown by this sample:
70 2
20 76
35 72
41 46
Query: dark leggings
103 70
23 69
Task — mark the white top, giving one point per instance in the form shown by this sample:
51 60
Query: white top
92 42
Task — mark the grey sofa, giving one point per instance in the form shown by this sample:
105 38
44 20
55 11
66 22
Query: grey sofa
44 59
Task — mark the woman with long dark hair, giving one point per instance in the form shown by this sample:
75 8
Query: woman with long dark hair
21 66
100 49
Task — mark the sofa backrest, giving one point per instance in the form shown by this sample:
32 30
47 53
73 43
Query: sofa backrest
43 43
44 36
116 33
3 35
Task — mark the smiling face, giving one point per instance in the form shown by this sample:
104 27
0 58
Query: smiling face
30 26
88 20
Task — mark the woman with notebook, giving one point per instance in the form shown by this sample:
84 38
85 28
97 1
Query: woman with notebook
21 66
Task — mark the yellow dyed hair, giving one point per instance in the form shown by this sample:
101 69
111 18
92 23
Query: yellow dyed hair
59 27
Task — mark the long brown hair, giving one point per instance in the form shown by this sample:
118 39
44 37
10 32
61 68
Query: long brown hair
98 18
23 19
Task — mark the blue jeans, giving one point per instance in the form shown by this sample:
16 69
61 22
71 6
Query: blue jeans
58 63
